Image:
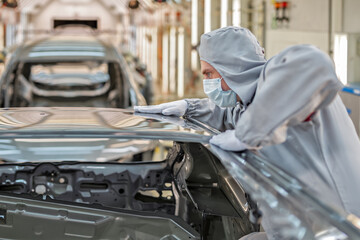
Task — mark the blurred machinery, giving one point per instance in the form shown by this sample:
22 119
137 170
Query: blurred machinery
281 17
9 3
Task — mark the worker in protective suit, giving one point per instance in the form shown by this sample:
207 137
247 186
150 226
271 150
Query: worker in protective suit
287 108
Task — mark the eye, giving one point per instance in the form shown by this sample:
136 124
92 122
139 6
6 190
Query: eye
208 75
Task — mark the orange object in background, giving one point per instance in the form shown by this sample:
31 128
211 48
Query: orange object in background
277 5
281 5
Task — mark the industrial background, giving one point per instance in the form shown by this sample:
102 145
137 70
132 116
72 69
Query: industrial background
164 35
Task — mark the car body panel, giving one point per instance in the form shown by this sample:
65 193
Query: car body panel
293 205
19 122
29 219
200 178
197 180
58 134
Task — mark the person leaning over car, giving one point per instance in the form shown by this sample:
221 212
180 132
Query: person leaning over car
287 108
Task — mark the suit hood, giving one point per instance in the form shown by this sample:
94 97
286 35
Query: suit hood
237 56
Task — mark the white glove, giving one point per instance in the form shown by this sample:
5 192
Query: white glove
177 108
228 141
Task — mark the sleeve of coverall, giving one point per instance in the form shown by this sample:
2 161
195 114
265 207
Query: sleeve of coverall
209 113
294 84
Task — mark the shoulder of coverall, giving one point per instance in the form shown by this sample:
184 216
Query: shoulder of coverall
295 57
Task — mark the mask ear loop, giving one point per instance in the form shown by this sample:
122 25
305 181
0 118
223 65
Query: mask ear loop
220 84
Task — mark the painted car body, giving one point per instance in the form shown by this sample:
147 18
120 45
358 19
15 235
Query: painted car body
65 175
62 70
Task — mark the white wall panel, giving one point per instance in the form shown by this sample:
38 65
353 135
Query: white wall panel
353 74
278 39
351 16
309 24
305 15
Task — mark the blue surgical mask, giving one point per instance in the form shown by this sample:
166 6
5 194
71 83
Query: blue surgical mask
212 88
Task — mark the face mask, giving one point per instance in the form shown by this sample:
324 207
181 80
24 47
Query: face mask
212 88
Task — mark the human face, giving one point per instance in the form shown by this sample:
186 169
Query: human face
209 72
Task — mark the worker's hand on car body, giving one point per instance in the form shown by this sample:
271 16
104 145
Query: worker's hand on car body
228 141
177 108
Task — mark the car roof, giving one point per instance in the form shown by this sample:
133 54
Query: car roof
96 122
67 48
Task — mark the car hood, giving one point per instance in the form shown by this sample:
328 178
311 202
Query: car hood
95 127
86 134
85 122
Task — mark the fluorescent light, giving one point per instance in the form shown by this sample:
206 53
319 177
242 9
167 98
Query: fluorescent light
194 32
154 54
236 12
340 56
172 59
180 89
137 46
207 14
149 45
165 63
143 45
194 22
224 10
194 60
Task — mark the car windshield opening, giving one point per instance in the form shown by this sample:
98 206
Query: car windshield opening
74 83
70 76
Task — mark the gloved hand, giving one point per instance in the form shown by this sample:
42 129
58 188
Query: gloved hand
228 141
177 108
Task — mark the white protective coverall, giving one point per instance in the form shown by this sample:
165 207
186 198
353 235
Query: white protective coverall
323 151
